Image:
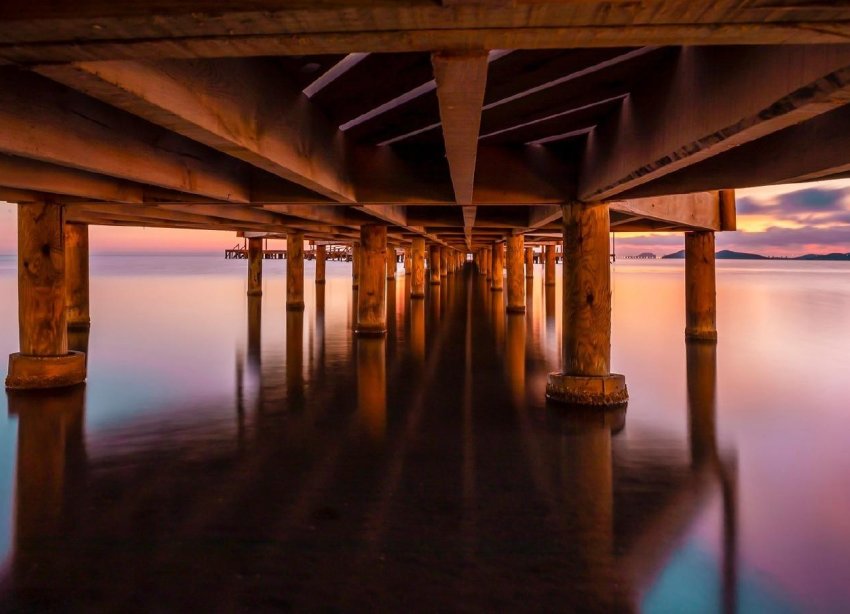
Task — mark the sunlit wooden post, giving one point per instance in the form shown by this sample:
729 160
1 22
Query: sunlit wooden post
77 276
44 360
434 263
444 261
295 271
391 263
700 293
417 268
549 265
586 378
321 257
529 262
497 266
355 264
407 257
516 284
371 301
255 266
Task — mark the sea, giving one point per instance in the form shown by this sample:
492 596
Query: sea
228 455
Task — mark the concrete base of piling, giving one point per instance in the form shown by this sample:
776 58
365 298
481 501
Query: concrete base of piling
587 391
34 372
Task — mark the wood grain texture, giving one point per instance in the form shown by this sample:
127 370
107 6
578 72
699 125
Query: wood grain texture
529 263
295 271
434 264
497 266
549 266
255 266
371 298
516 281
700 293
321 257
417 268
587 291
41 280
77 275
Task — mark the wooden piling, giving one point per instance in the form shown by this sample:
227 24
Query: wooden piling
516 284
497 266
77 276
700 294
371 305
529 262
407 257
44 360
295 271
434 264
391 263
586 378
255 266
321 257
549 266
417 268
444 261
355 264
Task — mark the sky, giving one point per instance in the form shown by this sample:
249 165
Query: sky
787 220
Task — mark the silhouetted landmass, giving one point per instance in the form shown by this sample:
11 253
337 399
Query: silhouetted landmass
728 254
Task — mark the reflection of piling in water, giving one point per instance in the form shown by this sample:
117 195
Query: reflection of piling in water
51 453
515 357
255 326
320 323
372 385
295 355
497 313
417 330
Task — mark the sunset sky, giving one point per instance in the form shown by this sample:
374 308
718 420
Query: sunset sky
787 220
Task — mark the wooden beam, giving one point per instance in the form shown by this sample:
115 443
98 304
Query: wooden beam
41 31
711 100
26 174
243 107
461 79
468 224
44 121
700 210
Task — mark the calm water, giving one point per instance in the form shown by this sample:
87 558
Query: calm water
226 455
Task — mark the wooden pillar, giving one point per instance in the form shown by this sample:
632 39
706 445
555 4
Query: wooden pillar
497 267
529 262
434 264
417 268
516 283
77 276
444 261
391 263
44 360
371 300
549 266
700 295
295 271
355 264
586 378
255 266
486 257
321 257
407 256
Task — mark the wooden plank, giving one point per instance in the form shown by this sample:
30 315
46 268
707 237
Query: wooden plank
40 30
44 121
243 107
711 100
461 80
699 211
26 174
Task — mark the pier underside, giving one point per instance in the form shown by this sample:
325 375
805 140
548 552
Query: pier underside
458 124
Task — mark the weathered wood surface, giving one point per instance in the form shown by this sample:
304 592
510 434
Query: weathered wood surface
371 297
417 268
295 271
700 293
529 263
77 275
516 278
255 266
549 265
497 266
587 291
434 264
321 257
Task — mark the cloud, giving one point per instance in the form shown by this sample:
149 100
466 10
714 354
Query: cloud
791 205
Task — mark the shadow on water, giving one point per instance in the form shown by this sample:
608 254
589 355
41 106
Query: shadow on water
420 471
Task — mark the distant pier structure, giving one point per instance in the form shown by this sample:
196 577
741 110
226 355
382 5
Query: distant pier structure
426 132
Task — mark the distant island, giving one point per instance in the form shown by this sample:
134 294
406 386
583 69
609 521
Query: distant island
727 254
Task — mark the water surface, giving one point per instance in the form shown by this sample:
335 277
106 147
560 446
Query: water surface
226 454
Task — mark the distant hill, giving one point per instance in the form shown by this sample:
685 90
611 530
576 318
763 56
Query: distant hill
728 254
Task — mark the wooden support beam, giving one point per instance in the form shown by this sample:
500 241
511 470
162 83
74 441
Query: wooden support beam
371 297
77 276
468 224
700 294
461 79
516 283
245 108
295 271
711 100
699 210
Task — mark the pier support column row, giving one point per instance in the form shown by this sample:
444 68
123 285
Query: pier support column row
529 262
44 360
585 378
434 264
700 291
371 298
255 266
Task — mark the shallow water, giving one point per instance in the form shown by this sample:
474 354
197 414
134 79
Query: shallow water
226 454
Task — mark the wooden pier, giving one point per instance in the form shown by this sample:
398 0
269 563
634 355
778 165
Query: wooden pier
433 130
